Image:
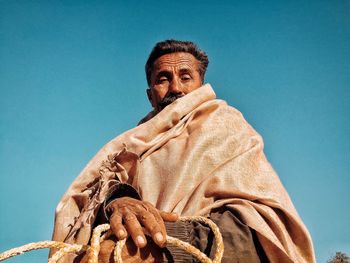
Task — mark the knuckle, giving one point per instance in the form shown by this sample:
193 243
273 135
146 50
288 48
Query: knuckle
129 217
122 205
123 209
148 206
144 217
139 207
115 216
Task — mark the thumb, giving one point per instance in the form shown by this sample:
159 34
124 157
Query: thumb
169 217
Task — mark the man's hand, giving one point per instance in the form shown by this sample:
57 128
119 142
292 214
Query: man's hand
137 218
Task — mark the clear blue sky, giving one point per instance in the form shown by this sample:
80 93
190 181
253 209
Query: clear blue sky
72 78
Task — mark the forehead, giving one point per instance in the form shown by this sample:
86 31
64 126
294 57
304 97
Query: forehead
178 60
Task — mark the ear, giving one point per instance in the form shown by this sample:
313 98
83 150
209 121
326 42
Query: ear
150 96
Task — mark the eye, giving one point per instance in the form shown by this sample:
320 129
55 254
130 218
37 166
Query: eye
185 77
162 79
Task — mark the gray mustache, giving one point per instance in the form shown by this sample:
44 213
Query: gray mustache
170 98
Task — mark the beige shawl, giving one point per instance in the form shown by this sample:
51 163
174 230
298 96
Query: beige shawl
195 155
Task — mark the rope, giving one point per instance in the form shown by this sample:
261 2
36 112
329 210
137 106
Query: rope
70 248
94 249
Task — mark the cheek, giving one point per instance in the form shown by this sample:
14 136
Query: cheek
197 80
160 92
194 85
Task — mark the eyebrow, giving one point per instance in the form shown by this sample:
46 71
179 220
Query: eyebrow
186 70
168 72
163 73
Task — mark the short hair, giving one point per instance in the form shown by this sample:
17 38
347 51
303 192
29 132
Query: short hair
173 46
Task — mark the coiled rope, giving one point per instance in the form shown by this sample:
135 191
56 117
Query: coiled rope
97 237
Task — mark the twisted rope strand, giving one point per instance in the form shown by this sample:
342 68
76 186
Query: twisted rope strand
38 245
95 243
69 248
219 252
190 249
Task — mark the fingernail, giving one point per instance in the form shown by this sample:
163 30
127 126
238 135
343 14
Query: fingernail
140 240
159 237
121 233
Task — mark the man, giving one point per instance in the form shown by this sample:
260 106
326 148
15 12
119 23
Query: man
192 155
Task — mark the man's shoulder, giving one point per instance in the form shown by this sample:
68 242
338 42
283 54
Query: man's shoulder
224 110
149 116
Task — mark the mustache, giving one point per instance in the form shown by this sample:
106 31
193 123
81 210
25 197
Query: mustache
168 99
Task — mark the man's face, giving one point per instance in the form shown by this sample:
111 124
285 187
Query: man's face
173 76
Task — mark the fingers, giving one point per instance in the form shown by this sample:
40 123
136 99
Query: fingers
130 215
155 229
134 228
117 226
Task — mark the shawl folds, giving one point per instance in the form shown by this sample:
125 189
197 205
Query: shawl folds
195 155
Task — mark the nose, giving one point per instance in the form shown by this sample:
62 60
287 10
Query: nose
175 87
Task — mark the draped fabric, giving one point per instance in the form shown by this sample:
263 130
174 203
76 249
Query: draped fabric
195 155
